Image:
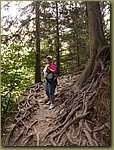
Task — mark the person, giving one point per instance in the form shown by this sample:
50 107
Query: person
50 75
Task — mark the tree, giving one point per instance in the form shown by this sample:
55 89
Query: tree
38 71
96 37
73 33
57 40
76 35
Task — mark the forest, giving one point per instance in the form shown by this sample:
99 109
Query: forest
77 35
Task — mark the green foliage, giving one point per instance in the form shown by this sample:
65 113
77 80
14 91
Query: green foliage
17 72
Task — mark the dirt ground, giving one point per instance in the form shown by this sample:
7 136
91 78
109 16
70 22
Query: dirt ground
29 131
81 116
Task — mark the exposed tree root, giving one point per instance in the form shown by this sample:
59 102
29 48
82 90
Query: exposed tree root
26 139
70 139
78 109
19 136
77 122
25 107
37 136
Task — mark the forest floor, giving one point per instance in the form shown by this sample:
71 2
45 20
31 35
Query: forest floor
33 124
40 117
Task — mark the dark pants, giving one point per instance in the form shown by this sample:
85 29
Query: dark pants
50 90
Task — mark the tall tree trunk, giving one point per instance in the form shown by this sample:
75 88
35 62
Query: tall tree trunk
78 56
96 37
38 71
57 40
76 36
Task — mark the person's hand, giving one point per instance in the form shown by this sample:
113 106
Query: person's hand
48 67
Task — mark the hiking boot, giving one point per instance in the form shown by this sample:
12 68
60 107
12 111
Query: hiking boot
51 106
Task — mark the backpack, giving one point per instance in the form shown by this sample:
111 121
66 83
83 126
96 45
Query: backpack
52 77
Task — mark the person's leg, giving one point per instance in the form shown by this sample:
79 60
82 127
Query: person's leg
46 86
52 97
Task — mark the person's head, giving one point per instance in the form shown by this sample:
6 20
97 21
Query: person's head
49 59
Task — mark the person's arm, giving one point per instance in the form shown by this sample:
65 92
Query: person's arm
45 71
52 69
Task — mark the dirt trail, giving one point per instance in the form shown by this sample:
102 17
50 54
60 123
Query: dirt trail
32 117
81 116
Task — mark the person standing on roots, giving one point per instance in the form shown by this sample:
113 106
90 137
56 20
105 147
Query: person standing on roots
50 74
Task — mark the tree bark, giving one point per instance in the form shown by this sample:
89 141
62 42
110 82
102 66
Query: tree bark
96 37
38 71
57 41
78 56
76 32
